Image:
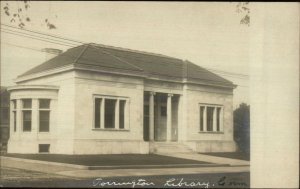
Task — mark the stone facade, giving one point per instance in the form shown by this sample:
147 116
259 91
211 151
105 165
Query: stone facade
72 115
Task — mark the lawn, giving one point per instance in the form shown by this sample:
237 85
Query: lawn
233 155
109 159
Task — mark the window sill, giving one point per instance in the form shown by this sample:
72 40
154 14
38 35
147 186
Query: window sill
124 130
211 132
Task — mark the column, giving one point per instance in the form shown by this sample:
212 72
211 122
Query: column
102 116
205 119
169 117
151 116
117 116
215 119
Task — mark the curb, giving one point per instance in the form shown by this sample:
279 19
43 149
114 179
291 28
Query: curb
45 162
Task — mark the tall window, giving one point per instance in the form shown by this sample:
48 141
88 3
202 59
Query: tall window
14 114
98 102
44 115
122 114
210 118
109 113
110 107
26 114
201 117
218 118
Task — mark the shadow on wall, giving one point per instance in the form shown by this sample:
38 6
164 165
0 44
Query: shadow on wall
241 117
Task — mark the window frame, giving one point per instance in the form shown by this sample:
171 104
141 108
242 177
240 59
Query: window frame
14 114
26 110
126 113
44 110
218 130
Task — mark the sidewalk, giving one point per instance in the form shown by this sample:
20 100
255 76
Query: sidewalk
213 165
210 159
149 172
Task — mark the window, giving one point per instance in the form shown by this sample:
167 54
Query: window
26 115
210 118
98 102
110 106
218 118
44 115
44 148
122 114
14 114
109 113
201 118
15 120
27 103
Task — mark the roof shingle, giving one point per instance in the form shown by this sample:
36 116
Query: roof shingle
124 60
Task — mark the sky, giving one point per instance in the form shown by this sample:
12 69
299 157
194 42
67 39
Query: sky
208 34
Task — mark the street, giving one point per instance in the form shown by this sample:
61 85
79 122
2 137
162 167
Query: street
12 177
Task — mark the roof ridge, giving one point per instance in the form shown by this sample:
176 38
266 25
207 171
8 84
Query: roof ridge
81 53
132 50
118 58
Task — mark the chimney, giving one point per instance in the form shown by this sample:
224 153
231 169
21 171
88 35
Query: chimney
51 53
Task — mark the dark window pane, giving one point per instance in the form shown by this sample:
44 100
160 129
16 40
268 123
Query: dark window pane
44 148
218 118
122 114
27 103
210 113
44 103
110 106
15 121
27 120
44 121
201 117
163 111
97 112
146 110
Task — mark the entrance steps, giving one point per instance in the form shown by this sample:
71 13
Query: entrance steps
170 148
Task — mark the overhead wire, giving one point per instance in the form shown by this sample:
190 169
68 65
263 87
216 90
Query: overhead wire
224 73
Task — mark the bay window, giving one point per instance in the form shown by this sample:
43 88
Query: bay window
26 114
44 115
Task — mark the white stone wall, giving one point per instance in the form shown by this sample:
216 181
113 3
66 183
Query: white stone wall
62 115
72 115
103 141
209 141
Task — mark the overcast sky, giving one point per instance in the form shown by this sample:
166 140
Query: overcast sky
208 34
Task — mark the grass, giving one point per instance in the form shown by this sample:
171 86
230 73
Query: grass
109 159
233 155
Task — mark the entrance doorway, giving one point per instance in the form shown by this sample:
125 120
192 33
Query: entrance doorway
160 117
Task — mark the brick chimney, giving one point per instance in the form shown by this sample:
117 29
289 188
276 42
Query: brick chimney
51 53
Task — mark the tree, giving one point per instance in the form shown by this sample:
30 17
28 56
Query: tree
243 9
18 14
241 118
